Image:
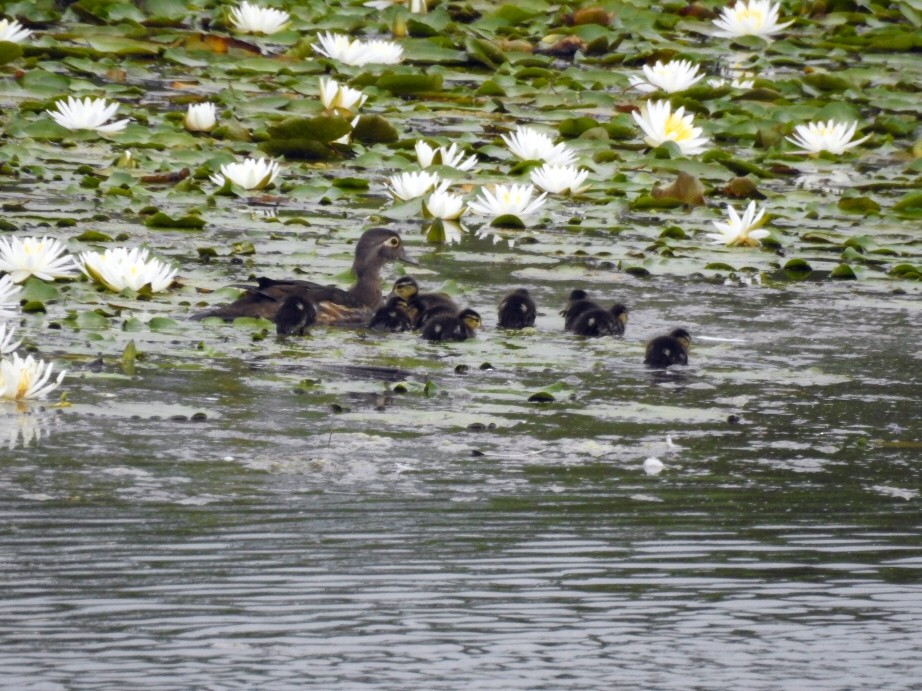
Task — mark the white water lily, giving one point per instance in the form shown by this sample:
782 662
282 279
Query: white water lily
415 6
736 231
250 174
88 114
560 179
508 200
340 99
717 83
834 137
673 76
45 258
661 125
250 18
406 186
358 53
450 156
749 18
13 31
200 117
119 268
7 345
9 298
26 378
531 145
444 204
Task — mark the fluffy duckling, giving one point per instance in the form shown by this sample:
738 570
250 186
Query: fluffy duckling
355 305
517 310
664 351
598 322
577 303
452 327
423 306
393 316
295 315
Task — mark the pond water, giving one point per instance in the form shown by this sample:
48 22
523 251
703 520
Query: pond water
460 536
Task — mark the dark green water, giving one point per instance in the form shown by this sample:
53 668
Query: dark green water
404 543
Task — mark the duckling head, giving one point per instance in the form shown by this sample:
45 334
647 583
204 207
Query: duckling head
406 287
619 312
470 318
682 336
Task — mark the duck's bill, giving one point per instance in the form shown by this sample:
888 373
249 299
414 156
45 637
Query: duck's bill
406 258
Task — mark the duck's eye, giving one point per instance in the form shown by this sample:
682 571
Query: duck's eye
392 242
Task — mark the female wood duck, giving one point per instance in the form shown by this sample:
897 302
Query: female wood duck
394 316
423 306
517 310
598 322
333 305
452 327
664 351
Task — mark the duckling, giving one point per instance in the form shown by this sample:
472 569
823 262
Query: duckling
452 327
422 306
374 249
600 322
294 316
517 310
664 351
577 303
393 316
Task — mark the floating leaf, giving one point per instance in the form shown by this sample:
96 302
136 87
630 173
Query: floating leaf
374 129
9 52
128 358
686 188
162 220
408 84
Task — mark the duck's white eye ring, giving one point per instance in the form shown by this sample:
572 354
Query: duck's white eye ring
392 242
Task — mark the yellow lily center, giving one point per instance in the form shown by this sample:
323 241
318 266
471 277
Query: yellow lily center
677 129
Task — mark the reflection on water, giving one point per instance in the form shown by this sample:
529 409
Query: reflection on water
457 536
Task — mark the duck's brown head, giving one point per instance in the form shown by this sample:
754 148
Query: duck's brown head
376 248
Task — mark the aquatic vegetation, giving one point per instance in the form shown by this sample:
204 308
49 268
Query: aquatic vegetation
358 53
88 114
9 297
406 186
250 174
670 77
750 18
661 125
13 31
22 378
834 137
560 179
200 117
251 18
338 99
45 258
531 145
119 268
7 344
415 6
737 231
508 200
450 156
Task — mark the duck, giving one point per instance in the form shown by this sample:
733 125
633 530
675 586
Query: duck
394 316
664 351
294 316
577 303
598 322
423 306
452 327
333 305
517 310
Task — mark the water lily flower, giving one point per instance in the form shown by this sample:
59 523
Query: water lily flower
508 200
406 186
415 6
26 378
450 156
45 258
749 18
673 76
252 19
7 345
834 137
119 268
88 114
717 83
339 99
358 53
661 125
200 117
531 145
250 174
736 231
9 298
445 208
560 179
13 31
